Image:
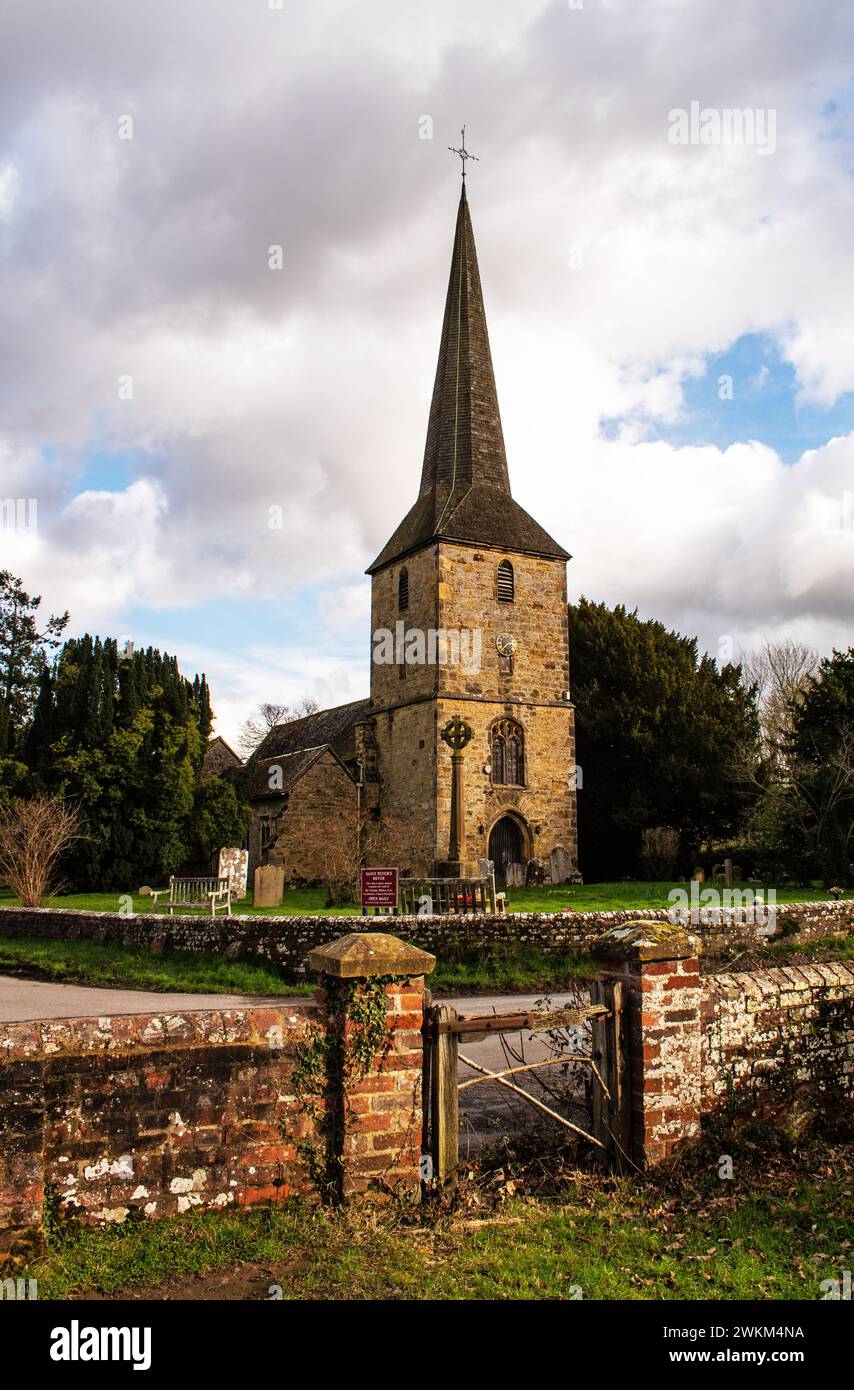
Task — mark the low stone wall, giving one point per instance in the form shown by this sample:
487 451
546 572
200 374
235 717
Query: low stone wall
287 940
150 1115
770 1032
147 1113
758 1037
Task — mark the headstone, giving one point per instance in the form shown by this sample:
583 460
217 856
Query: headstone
515 875
728 872
234 865
269 885
736 873
699 875
535 874
561 865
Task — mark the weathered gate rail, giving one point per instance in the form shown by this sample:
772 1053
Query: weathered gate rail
608 1061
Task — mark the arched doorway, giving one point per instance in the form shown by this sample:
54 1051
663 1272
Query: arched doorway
506 846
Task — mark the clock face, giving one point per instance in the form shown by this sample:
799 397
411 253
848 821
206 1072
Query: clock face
506 644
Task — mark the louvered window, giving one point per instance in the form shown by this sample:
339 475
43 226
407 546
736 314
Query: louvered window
506 585
403 590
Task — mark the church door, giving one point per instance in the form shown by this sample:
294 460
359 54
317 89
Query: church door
505 846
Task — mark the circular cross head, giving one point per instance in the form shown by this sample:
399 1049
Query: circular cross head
457 733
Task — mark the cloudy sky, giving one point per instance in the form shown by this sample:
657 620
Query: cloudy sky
672 324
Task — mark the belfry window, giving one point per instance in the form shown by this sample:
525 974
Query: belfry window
508 754
506 582
403 590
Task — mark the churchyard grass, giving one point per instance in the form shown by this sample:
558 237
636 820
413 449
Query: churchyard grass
587 897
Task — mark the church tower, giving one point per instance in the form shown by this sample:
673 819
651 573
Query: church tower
469 619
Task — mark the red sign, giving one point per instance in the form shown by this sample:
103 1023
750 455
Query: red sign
379 887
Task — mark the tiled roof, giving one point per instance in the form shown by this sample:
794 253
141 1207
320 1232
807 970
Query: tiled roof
325 726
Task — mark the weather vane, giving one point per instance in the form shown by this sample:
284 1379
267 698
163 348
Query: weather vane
463 152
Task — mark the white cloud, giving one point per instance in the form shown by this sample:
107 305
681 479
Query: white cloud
304 389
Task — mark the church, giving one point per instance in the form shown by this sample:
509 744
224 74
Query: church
469 619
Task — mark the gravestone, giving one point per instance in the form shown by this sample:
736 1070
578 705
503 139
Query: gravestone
514 875
699 875
561 865
535 874
269 885
234 865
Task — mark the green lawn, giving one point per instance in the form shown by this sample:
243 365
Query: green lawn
591 897
517 968
610 1239
136 967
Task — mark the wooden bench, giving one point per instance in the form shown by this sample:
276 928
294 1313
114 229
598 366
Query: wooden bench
193 894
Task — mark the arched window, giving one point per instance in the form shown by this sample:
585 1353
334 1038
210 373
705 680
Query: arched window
508 754
506 582
403 590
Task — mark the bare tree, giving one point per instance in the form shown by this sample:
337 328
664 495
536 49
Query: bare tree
824 806
781 671
33 835
346 852
257 727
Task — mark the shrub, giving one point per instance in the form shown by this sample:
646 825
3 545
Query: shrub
659 852
33 836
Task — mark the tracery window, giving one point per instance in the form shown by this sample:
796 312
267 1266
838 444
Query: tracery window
508 753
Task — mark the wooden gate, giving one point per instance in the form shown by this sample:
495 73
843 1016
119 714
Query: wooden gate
445 1030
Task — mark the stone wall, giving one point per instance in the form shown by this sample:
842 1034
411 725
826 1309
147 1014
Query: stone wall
319 814
286 940
150 1115
697 1044
453 588
770 1032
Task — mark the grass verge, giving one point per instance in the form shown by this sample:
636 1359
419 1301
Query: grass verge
136 967
676 1236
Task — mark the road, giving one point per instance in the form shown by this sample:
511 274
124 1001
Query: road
24 1000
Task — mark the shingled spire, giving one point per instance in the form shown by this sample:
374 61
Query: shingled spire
465 442
465 486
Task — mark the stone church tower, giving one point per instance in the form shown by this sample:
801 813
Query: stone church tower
468 565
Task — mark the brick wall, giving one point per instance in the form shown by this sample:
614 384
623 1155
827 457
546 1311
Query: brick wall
287 940
769 1032
150 1115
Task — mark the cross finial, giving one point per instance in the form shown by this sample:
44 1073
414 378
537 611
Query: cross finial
463 152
